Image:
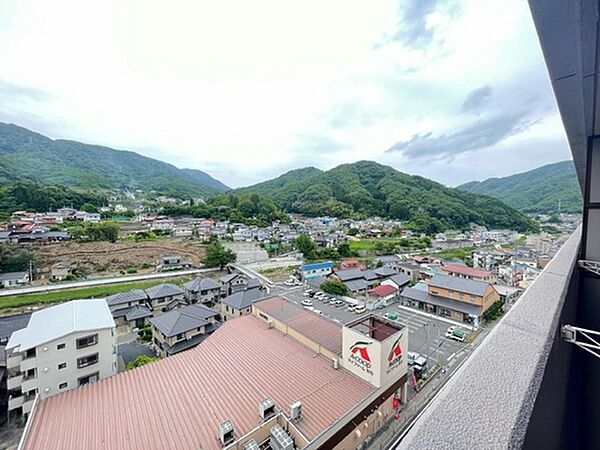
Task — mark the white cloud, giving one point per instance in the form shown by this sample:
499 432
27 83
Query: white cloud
245 90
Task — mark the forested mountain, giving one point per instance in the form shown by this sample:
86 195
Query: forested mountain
25 155
536 191
367 189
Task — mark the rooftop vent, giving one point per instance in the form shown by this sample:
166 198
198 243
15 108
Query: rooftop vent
226 432
266 408
336 363
280 440
296 411
251 445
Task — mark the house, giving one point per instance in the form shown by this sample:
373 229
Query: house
398 280
202 290
61 348
391 261
351 263
460 299
383 294
161 295
412 270
320 269
129 308
236 282
14 279
182 328
470 273
239 303
60 270
173 262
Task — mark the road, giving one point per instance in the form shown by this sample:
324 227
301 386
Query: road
101 281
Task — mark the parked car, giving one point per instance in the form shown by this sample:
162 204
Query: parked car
307 302
420 362
310 308
307 292
319 295
360 310
351 308
318 311
333 301
338 303
456 333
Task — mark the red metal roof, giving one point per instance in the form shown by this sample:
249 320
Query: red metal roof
318 328
383 290
468 271
178 402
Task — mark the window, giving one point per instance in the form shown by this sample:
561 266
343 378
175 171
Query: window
85 361
87 341
88 379
61 346
62 366
180 336
30 353
62 385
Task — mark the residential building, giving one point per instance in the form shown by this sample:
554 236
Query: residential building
239 304
235 282
398 281
383 294
460 299
182 328
320 269
412 270
263 377
202 290
60 270
470 273
174 262
14 279
62 347
161 295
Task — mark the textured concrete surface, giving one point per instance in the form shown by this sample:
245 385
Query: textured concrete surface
488 402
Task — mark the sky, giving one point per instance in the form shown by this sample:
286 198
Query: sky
453 90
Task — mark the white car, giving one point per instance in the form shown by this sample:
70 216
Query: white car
307 293
307 302
351 308
456 333
360 310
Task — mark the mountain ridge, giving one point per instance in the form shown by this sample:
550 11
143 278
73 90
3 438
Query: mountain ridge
28 155
535 191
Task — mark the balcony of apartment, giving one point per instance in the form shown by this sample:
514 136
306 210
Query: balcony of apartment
15 401
14 382
13 360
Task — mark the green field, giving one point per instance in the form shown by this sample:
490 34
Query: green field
373 244
17 301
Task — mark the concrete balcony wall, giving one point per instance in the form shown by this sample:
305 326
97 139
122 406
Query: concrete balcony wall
14 361
14 382
517 387
28 363
15 402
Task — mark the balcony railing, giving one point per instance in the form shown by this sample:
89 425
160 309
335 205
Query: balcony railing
14 382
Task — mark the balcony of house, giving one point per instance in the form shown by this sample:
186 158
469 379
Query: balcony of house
521 388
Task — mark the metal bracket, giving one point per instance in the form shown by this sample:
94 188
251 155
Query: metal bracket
590 266
582 338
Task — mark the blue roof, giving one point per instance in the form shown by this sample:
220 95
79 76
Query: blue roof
320 265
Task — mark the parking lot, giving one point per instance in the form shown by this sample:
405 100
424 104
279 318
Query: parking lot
426 334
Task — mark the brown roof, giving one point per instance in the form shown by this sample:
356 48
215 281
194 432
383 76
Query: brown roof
466 270
179 402
316 327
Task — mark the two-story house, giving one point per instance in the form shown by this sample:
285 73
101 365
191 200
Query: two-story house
62 347
161 295
239 304
202 290
129 308
182 328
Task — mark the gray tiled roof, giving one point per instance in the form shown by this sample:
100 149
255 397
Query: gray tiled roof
356 285
10 324
243 299
424 296
459 284
228 278
400 279
388 259
183 319
12 276
163 290
138 312
385 271
349 274
134 295
201 284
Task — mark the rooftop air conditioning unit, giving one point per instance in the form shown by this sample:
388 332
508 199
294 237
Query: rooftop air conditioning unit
280 440
266 408
226 435
296 411
251 445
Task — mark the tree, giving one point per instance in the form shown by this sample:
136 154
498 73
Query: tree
141 361
334 287
305 245
11 261
218 256
344 250
88 207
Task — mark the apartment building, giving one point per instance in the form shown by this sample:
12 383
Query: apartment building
62 347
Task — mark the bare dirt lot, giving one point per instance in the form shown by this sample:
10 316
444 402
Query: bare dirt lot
106 258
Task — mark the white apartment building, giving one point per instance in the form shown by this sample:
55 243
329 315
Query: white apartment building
63 347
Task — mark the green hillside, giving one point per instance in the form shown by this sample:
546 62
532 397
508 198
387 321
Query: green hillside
536 191
25 155
367 189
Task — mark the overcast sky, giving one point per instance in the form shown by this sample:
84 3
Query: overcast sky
246 90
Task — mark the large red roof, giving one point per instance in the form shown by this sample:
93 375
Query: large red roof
468 271
180 401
